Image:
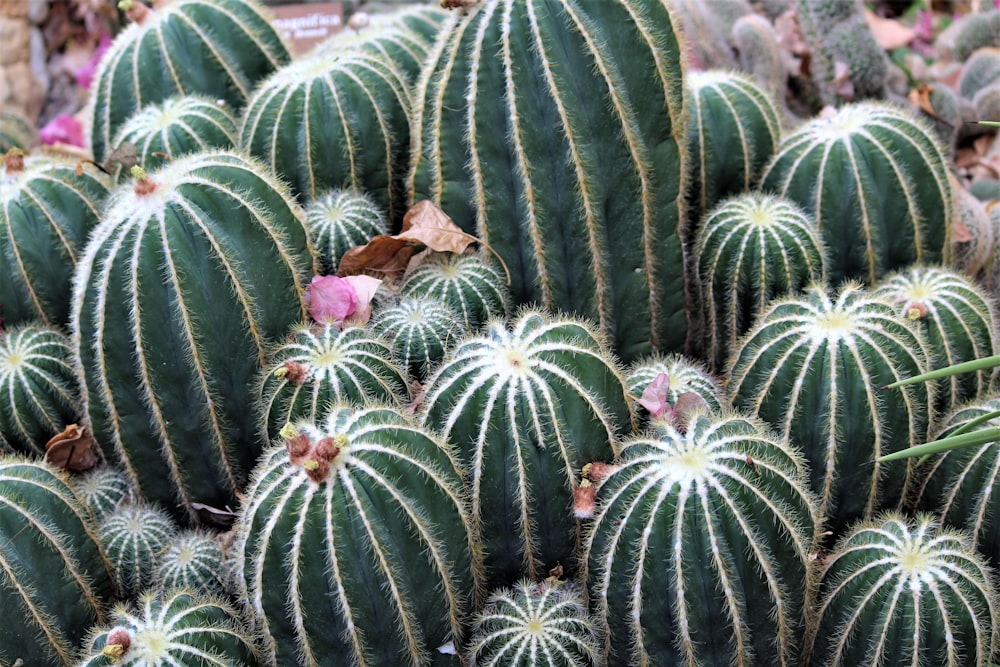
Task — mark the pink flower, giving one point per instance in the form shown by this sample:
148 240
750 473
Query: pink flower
85 75
64 129
330 299
365 288
654 397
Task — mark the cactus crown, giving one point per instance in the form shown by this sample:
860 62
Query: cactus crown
133 536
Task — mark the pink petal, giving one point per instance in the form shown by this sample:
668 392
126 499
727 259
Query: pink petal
654 397
365 288
63 129
687 403
330 299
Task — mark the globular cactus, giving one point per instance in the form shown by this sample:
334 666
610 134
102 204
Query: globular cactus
16 131
813 367
526 408
354 542
555 136
987 101
839 37
684 376
184 286
468 283
219 48
705 29
751 249
38 385
133 535
963 485
699 552
54 580
192 560
338 122
756 44
974 246
321 366
47 211
957 322
902 591
176 127
175 628
420 330
967 34
979 71
339 220
875 181
543 624
101 491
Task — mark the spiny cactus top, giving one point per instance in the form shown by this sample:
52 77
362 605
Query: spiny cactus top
101 490
552 131
420 330
221 48
38 387
339 220
875 180
192 560
683 376
469 283
699 552
16 131
902 592
354 542
194 273
133 537
543 624
177 628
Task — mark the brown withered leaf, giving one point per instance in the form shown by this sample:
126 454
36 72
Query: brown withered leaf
73 449
920 97
384 256
425 223
889 34
127 155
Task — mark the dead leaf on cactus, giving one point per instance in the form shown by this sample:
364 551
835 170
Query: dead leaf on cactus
384 256
920 97
428 225
72 450
889 34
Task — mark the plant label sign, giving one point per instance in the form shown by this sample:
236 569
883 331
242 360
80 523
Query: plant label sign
306 24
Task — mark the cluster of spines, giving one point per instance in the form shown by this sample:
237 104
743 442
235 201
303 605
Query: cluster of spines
192 560
468 283
101 490
133 536
420 330
339 220
16 131
684 376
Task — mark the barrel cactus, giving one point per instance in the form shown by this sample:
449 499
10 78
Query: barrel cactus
699 551
192 560
468 283
16 131
354 542
133 537
182 289
101 490
899 591
813 367
47 210
54 580
339 220
178 628
875 181
220 48
527 407
38 386
751 249
684 375
420 330
553 133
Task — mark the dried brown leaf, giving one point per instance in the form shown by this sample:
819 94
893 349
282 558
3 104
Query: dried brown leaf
920 97
890 34
73 449
425 223
386 256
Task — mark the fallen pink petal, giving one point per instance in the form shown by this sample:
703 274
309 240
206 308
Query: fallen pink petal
330 299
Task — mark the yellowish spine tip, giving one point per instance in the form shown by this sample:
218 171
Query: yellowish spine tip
288 432
281 372
126 5
310 464
138 173
114 652
340 440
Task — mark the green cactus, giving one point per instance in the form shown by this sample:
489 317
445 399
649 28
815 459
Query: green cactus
685 375
979 71
699 552
133 537
963 485
527 408
176 127
38 386
900 591
967 34
751 249
339 220
320 366
101 490
340 122
182 289
760 56
812 367
705 30
177 628
420 330
986 102
54 580
876 183
553 134
541 624
16 131
956 320
354 542
192 560
973 250
468 283
47 211
219 48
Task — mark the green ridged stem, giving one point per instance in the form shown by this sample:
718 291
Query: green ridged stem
542 624
421 330
354 542
47 212
133 537
182 289
756 43
751 249
176 127
685 376
192 560
339 220
706 29
973 255
963 486
875 181
526 408
321 366
979 71
469 283
219 48
903 592
969 33
101 490
699 552
54 580
813 367
956 319
552 131
16 131
179 628
38 387
334 122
